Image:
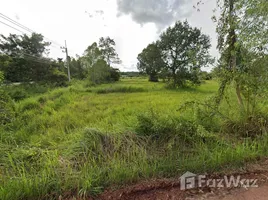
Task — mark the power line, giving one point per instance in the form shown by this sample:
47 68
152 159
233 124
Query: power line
51 45
26 28
12 27
16 23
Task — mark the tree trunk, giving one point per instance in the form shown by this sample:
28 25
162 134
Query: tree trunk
232 52
153 78
174 77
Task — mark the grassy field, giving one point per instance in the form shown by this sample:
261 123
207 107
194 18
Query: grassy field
82 139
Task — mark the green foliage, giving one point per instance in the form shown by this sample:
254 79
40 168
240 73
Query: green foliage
125 89
150 62
29 105
7 109
252 126
114 74
18 94
22 60
1 77
58 78
242 38
107 49
184 50
47 151
91 55
130 74
77 69
165 128
97 60
99 72
205 75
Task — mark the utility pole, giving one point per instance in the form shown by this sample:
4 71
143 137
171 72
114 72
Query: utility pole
67 61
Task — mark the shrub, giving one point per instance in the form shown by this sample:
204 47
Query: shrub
95 145
252 126
58 78
36 88
114 74
42 100
29 105
119 90
7 109
168 128
151 124
18 94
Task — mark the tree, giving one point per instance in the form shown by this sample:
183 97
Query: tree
21 58
151 62
94 61
107 48
91 55
76 68
242 41
114 74
7 108
205 75
99 72
253 23
184 50
1 78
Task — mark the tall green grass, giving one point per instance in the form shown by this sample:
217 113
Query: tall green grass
70 141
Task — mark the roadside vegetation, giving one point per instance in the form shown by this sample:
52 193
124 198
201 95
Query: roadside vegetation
81 140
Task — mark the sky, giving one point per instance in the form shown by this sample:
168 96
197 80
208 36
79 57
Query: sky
133 24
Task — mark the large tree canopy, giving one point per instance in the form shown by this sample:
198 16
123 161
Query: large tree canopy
19 45
91 55
97 60
184 50
107 48
180 52
22 59
151 62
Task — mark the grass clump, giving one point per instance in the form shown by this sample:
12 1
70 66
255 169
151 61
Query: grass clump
165 128
121 89
18 94
30 104
7 109
251 126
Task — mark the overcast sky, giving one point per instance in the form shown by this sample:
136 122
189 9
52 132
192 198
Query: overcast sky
132 23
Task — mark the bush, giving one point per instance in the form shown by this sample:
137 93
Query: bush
42 100
18 94
7 109
30 105
36 88
252 126
120 90
114 74
166 128
98 146
58 78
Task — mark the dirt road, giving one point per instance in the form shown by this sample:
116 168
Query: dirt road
164 190
171 190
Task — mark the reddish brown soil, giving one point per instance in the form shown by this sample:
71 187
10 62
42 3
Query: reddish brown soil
167 189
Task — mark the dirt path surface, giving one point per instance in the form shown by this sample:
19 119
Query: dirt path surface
168 189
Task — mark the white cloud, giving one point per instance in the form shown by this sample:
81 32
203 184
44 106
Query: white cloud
61 20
